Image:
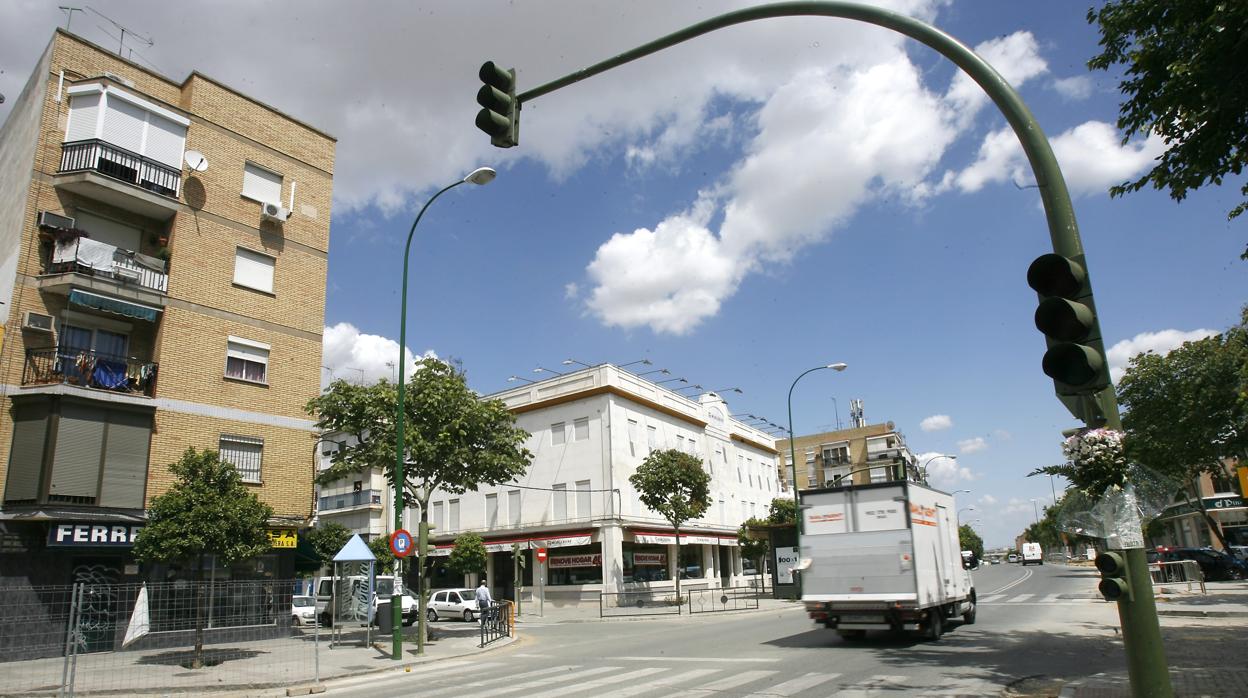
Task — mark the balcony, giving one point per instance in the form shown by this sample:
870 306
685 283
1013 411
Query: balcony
89 369
101 170
113 265
349 500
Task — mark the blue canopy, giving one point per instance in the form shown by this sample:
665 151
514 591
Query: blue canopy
115 306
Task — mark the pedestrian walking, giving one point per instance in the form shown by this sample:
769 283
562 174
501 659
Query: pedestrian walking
484 601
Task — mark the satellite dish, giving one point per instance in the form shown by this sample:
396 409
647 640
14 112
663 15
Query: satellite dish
196 161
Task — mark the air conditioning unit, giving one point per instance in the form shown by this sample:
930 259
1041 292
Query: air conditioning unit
37 322
47 219
274 212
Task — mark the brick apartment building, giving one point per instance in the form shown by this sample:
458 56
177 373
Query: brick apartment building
163 255
864 453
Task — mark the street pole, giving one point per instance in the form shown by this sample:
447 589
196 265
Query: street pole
1141 631
481 175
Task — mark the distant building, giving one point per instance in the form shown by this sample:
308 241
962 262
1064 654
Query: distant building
1182 525
163 252
863 454
363 502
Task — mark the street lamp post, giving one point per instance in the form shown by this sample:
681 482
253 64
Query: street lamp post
923 468
797 511
971 508
479 176
1035 509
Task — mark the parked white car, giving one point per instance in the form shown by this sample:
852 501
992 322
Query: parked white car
452 603
303 610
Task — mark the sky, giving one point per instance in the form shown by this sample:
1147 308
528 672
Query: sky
737 209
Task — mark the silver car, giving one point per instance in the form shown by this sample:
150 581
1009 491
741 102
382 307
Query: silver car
452 603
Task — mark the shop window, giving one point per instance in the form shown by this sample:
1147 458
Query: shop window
691 562
645 563
580 564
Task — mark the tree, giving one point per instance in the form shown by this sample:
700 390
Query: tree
207 511
970 540
455 441
468 556
1187 411
1184 81
380 548
753 545
673 484
327 539
782 511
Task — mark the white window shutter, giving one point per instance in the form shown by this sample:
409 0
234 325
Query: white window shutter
84 115
124 124
165 141
253 270
261 185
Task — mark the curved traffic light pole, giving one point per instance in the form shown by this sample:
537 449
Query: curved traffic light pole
1141 632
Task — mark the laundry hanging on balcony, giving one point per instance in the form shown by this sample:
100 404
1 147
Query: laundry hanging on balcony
113 305
85 252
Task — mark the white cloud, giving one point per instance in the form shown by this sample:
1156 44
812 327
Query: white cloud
1091 156
571 290
978 443
1162 342
988 500
936 422
1077 87
1015 57
943 472
361 358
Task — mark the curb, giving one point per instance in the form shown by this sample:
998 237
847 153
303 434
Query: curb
625 619
1201 614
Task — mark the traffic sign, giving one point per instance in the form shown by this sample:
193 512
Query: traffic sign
541 554
401 543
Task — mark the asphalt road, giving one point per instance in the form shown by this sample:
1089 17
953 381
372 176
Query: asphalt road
1035 624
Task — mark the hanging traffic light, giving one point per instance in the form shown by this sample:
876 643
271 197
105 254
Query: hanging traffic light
1113 569
1066 315
500 116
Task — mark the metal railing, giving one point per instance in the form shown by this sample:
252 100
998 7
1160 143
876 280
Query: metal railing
330 502
89 369
124 268
639 602
497 622
726 599
107 159
1178 572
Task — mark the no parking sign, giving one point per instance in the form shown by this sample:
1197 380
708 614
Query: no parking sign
401 543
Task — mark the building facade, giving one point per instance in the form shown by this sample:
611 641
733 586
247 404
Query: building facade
163 256
865 454
1182 525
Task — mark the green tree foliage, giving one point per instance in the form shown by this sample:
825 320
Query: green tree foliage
207 511
753 543
1046 531
1185 81
1187 410
782 511
469 555
380 547
455 441
327 539
675 485
970 540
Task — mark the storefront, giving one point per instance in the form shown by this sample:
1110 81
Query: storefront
1182 525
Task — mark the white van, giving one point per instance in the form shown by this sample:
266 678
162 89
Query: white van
1032 554
352 592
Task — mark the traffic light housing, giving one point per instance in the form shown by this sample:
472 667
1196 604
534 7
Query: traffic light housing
500 113
1113 568
1075 359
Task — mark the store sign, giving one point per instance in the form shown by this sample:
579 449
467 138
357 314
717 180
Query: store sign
90 535
654 559
786 560
1229 502
699 540
561 561
285 538
651 539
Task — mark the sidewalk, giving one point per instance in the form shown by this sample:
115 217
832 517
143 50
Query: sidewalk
532 614
1202 634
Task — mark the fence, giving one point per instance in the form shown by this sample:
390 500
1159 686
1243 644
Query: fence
1179 572
728 599
641 602
123 638
497 622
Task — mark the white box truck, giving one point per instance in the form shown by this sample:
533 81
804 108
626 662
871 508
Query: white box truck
883 557
1032 555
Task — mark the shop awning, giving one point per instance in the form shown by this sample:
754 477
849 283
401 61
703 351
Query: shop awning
655 538
115 306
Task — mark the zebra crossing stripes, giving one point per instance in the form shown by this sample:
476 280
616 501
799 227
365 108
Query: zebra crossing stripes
525 678
591 685
795 686
990 599
1020 598
873 686
664 682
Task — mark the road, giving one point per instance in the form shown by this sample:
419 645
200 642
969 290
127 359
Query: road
1035 624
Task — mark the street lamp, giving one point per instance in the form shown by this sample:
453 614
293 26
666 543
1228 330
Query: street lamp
923 468
479 176
695 386
958 492
643 362
569 362
838 367
729 390
1035 509
970 508
513 379
539 369
669 380
660 371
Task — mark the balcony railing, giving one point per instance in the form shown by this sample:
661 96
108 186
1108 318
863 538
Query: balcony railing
107 159
89 369
100 259
330 502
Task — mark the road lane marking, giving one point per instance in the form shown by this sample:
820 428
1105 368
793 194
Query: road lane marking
729 660
664 682
735 681
794 686
439 667
1026 575
571 672
1051 598
990 599
872 687
583 686
1020 598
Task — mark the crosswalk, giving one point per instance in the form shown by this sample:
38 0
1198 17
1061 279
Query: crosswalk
693 677
1047 599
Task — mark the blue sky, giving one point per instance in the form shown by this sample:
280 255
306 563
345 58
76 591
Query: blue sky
737 210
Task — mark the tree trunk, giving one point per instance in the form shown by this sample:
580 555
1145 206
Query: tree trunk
422 586
1200 504
678 570
197 662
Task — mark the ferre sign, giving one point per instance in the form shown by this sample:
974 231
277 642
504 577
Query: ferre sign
93 535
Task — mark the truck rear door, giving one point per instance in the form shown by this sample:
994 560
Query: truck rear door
859 546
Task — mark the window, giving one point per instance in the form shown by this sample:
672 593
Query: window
247 360
453 524
109 231
491 510
253 270
127 121
437 514
583 508
632 437
559 499
261 185
836 455
832 474
693 447
580 429
243 452
723 513
652 438
558 434
680 442
513 507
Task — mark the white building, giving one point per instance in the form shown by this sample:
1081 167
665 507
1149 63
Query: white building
363 502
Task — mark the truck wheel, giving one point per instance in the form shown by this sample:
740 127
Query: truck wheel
935 625
852 634
968 618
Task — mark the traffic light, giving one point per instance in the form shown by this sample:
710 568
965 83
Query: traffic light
1066 315
1113 569
500 116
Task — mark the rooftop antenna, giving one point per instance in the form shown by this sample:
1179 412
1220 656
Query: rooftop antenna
69 11
857 419
123 31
